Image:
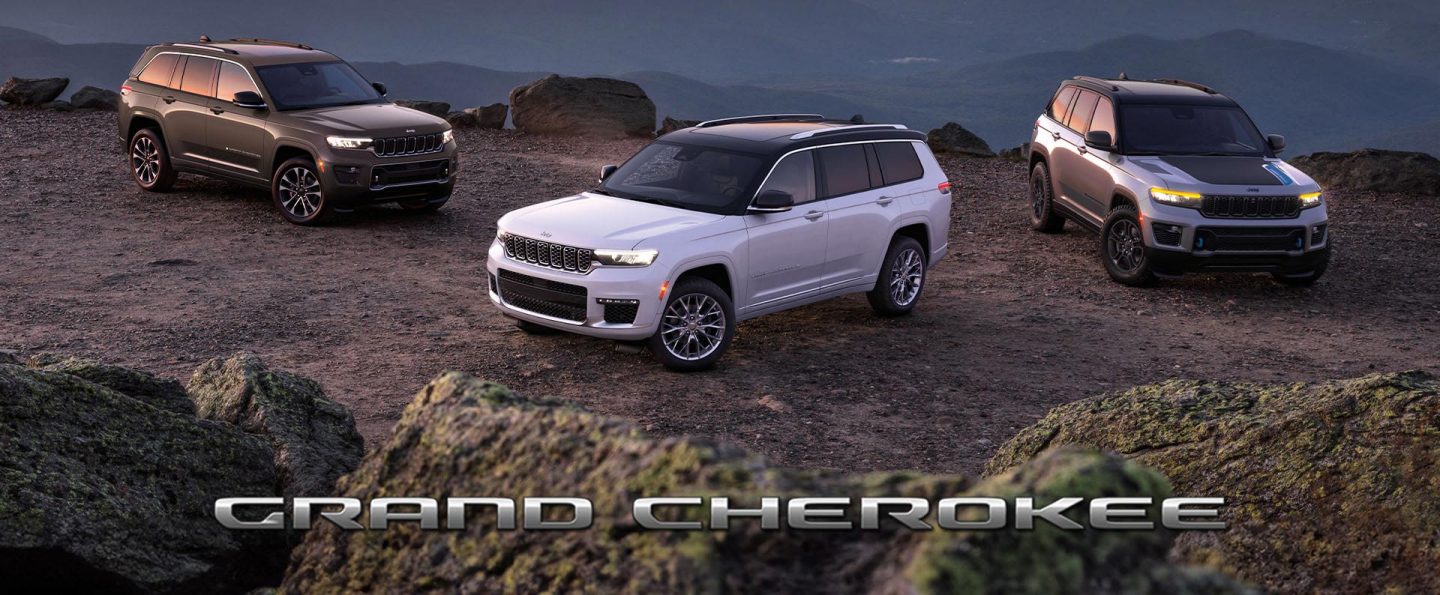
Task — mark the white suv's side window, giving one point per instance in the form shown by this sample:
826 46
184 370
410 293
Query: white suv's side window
794 174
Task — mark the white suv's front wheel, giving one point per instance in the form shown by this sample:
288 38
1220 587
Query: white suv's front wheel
695 327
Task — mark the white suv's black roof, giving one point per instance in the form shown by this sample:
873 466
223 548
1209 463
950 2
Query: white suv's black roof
776 135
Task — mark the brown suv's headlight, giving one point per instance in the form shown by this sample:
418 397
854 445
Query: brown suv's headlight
447 136
346 142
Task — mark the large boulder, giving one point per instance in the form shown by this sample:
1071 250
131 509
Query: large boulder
583 106
1020 153
95 98
464 437
492 116
314 438
1374 170
32 92
1330 487
101 492
462 120
163 393
670 124
954 138
438 109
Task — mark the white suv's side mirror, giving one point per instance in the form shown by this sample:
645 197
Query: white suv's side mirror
773 201
607 171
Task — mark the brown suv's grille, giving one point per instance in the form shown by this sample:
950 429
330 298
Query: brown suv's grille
546 254
1251 207
409 145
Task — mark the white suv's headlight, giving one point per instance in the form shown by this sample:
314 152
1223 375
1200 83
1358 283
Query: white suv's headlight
1177 197
447 136
345 142
1312 199
626 258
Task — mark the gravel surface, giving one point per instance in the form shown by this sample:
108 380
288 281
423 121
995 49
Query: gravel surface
373 306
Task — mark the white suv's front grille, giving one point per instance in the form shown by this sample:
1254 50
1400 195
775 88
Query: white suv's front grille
548 254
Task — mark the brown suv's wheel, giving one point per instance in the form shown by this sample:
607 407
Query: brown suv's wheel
298 193
150 161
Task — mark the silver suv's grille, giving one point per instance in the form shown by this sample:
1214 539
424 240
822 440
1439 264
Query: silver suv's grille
1250 207
408 145
547 254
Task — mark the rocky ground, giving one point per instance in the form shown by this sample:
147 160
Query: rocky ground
1012 323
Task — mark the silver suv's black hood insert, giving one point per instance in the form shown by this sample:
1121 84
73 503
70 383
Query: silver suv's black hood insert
1237 171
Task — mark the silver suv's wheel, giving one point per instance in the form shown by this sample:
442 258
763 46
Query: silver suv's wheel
696 326
149 161
902 277
1122 248
298 193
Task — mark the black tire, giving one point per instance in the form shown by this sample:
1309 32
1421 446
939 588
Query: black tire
901 280
421 205
694 311
1306 280
531 328
298 194
1122 248
149 161
1043 217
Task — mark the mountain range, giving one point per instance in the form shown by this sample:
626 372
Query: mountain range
1320 97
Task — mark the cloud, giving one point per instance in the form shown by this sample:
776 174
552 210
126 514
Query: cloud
913 60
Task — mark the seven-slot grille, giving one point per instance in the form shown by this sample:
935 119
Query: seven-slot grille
1251 207
547 254
542 296
408 145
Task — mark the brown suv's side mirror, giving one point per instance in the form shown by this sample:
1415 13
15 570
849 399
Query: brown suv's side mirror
248 99
380 88
606 171
1276 142
1099 139
773 201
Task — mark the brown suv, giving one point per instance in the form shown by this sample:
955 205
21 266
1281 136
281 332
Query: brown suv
285 116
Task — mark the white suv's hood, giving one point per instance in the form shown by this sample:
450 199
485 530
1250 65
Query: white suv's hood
596 221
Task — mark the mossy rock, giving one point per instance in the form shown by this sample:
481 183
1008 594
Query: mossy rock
164 393
101 492
465 437
314 438
1330 487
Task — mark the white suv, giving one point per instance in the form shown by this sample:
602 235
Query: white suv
726 221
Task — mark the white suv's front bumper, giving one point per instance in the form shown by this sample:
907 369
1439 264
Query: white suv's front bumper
640 284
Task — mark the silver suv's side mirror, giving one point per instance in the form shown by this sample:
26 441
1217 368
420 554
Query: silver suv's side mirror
1099 139
606 171
773 201
248 99
380 88
1276 142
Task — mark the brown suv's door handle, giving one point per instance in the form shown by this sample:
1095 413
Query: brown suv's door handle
217 110
168 99
813 215
1082 150
885 201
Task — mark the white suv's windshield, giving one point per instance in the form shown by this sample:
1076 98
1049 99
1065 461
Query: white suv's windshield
1189 130
316 84
687 177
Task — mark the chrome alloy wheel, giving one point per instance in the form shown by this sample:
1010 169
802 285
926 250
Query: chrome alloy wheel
906 277
1124 246
693 326
300 192
145 160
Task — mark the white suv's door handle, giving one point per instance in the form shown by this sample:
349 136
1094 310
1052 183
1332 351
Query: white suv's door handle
1055 135
813 215
885 201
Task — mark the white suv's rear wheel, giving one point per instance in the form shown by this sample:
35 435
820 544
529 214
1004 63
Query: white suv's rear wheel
696 326
902 276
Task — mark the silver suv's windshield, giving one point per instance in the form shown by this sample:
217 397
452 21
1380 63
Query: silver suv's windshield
316 84
1189 130
688 177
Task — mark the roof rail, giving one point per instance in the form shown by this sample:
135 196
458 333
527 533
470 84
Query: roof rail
1098 81
202 47
839 129
762 118
1196 86
270 42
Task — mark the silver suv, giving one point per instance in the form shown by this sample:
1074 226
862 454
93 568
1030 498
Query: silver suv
1175 177
723 222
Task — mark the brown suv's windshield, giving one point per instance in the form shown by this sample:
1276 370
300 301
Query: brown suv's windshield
316 84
